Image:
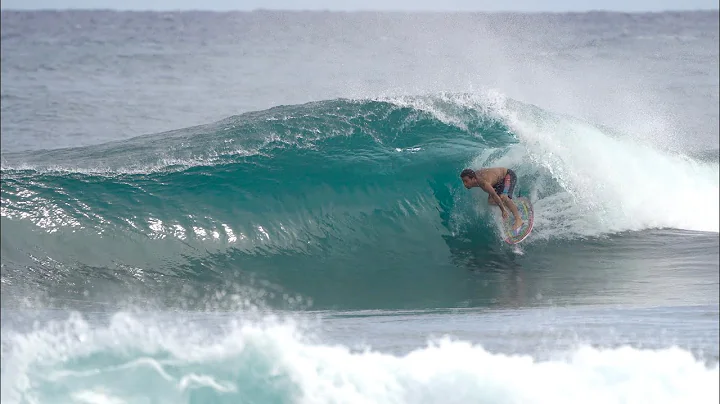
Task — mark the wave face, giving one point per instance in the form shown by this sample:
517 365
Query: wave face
357 186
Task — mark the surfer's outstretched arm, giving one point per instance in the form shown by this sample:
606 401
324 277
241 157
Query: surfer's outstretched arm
513 208
493 196
503 201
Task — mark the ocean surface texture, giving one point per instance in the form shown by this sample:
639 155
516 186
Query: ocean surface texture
266 207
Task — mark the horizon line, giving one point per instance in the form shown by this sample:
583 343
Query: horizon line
325 10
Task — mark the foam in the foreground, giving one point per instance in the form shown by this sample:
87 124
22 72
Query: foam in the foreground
134 360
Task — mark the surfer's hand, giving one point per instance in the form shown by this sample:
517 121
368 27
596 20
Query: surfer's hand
504 214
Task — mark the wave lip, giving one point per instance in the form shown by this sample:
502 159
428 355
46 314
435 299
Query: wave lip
622 184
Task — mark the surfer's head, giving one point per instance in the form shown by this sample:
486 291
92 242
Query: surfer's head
469 178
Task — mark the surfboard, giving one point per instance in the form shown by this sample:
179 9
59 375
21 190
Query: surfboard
525 209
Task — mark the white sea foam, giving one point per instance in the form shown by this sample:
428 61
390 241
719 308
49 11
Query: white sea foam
270 361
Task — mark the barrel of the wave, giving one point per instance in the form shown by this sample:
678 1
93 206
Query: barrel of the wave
527 216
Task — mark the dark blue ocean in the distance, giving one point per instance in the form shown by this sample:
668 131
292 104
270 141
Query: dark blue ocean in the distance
266 208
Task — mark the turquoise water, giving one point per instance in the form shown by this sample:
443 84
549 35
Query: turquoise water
277 197
294 237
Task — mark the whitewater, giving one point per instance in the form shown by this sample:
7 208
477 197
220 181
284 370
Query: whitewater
131 359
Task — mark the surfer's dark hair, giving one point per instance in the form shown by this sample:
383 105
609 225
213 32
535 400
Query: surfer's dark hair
468 172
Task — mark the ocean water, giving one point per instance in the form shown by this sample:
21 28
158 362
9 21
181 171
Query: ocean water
266 207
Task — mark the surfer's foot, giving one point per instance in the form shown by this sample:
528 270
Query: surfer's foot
518 223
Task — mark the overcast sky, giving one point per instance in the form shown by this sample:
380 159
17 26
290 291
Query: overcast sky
436 5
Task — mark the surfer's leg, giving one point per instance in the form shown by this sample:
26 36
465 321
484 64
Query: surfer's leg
507 194
509 185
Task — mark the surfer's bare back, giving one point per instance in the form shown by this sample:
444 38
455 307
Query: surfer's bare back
499 183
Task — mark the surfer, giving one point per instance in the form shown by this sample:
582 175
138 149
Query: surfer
499 183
